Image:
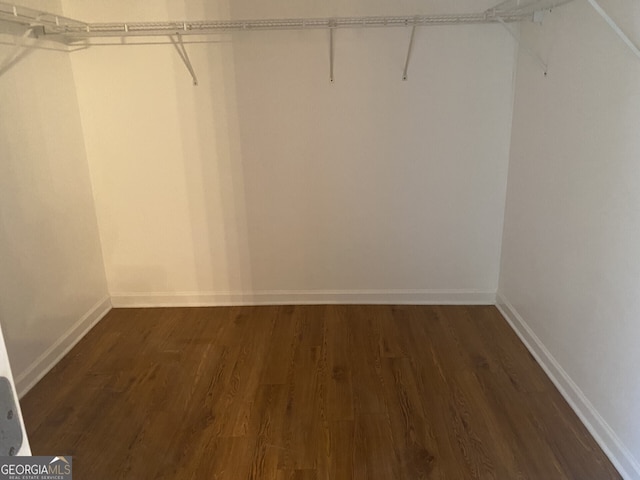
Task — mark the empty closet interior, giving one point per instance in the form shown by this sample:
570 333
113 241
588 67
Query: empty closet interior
237 153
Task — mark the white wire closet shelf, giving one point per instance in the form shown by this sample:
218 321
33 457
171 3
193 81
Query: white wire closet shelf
72 32
68 30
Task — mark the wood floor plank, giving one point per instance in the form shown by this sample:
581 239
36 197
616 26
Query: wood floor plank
342 443
364 359
391 342
413 444
266 427
374 455
280 347
312 320
434 390
308 392
301 423
339 371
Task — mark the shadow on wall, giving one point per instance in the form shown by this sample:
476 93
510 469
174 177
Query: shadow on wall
295 183
291 198
213 164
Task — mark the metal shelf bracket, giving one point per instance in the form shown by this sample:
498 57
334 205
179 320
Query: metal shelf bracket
406 63
331 51
184 56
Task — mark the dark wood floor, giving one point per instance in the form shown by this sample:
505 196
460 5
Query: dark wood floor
330 392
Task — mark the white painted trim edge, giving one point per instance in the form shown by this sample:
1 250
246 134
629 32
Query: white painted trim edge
27 379
610 443
304 297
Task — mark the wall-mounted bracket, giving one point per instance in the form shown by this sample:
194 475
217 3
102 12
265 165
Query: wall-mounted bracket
614 26
179 46
331 53
524 48
406 63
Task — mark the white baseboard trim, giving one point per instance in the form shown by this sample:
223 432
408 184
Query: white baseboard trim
610 443
304 297
26 380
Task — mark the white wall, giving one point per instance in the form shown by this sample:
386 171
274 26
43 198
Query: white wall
571 249
267 177
52 281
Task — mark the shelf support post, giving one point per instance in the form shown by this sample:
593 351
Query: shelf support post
406 63
184 56
614 26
